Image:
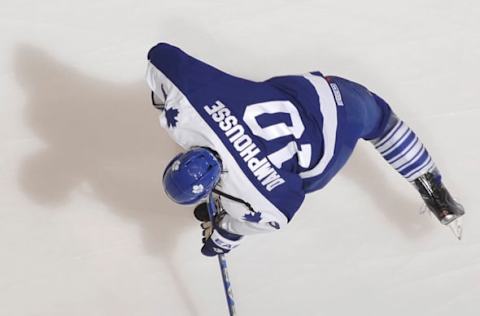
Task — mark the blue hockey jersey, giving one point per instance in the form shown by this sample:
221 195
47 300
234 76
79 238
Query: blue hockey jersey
277 139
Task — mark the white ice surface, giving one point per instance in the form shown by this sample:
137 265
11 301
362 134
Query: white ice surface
85 228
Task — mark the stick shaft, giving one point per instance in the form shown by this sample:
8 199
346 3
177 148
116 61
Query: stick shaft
226 284
222 262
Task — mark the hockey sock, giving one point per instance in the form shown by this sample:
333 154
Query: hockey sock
403 150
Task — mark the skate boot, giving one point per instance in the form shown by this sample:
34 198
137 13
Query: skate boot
439 201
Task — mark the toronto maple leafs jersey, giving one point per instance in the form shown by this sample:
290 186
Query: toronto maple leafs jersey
277 139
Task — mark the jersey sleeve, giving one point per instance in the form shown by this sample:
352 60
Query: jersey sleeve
244 221
242 227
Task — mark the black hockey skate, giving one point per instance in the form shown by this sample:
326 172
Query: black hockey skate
439 201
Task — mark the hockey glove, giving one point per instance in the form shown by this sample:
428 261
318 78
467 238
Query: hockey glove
216 240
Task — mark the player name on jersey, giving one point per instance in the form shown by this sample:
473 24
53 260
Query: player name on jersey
257 163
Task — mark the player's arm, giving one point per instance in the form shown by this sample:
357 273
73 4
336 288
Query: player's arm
244 219
227 230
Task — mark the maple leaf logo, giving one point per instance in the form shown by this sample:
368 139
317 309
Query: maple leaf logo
171 115
197 189
254 217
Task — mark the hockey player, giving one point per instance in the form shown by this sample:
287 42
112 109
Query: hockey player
261 146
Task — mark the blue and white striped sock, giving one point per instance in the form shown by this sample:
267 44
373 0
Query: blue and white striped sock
404 151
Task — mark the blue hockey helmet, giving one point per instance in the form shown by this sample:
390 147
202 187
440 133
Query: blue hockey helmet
191 175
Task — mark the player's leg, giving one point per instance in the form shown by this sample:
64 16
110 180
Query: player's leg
401 148
399 145
405 152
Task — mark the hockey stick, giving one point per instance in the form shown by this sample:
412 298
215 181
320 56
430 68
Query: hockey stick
222 261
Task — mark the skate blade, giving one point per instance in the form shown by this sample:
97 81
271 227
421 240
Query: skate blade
457 228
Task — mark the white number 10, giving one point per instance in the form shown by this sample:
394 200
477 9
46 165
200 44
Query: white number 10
304 153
